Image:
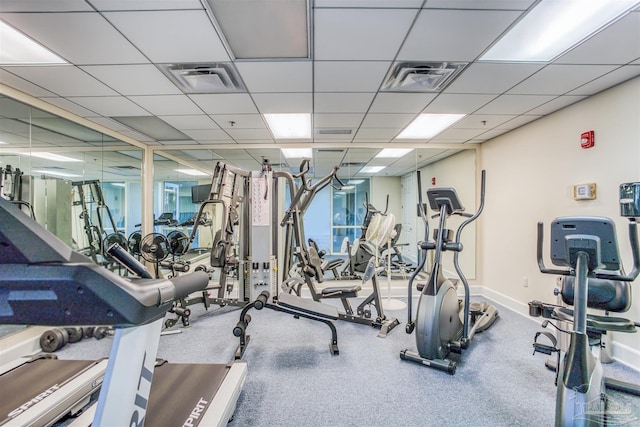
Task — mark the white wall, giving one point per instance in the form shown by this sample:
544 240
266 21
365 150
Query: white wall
531 171
459 172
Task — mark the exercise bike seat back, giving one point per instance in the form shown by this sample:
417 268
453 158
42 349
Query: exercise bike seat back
597 237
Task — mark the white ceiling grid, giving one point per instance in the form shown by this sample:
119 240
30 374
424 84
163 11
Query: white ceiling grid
115 48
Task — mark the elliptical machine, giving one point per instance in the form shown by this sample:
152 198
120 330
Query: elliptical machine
444 324
593 278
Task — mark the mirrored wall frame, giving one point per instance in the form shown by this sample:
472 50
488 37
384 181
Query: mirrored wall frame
47 160
349 157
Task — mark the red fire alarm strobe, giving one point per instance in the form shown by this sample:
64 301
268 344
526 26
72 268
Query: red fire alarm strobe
587 139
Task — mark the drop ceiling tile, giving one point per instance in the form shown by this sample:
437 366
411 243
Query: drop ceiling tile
491 77
284 102
480 4
201 121
397 121
619 43
475 121
139 137
206 134
12 80
461 135
40 6
277 76
104 46
238 134
171 36
64 80
458 103
239 121
225 103
109 123
369 3
70 106
140 79
517 122
514 104
332 138
560 79
349 76
556 104
104 5
166 105
337 120
342 102
613 78
401 102
376 134
469 33
355 34
110 105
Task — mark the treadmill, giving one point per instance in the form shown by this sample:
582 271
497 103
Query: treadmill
44 282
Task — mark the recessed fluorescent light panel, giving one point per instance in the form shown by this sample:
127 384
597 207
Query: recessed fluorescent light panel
297 153
57 173
372 169
52 156
192 172
428 125
393 153
18 49
289 126
555 26
2 142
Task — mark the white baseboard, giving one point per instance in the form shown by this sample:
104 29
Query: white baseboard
626 355
621 353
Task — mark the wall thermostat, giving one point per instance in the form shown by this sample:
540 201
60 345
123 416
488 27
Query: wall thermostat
584 191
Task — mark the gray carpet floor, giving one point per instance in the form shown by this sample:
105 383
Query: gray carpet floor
293 379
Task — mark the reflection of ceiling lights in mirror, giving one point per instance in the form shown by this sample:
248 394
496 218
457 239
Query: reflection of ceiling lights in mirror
52 156
297 153
392 153
289 126
192 172
428 125
554 26
18 49
372 169
57 173
355 181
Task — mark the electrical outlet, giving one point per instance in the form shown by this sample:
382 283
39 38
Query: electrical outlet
525 281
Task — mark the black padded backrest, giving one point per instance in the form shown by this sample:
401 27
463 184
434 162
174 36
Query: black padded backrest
603 294
594 235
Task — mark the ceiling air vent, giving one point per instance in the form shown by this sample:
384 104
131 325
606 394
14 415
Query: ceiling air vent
421 76
218 77
334 131
352 164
